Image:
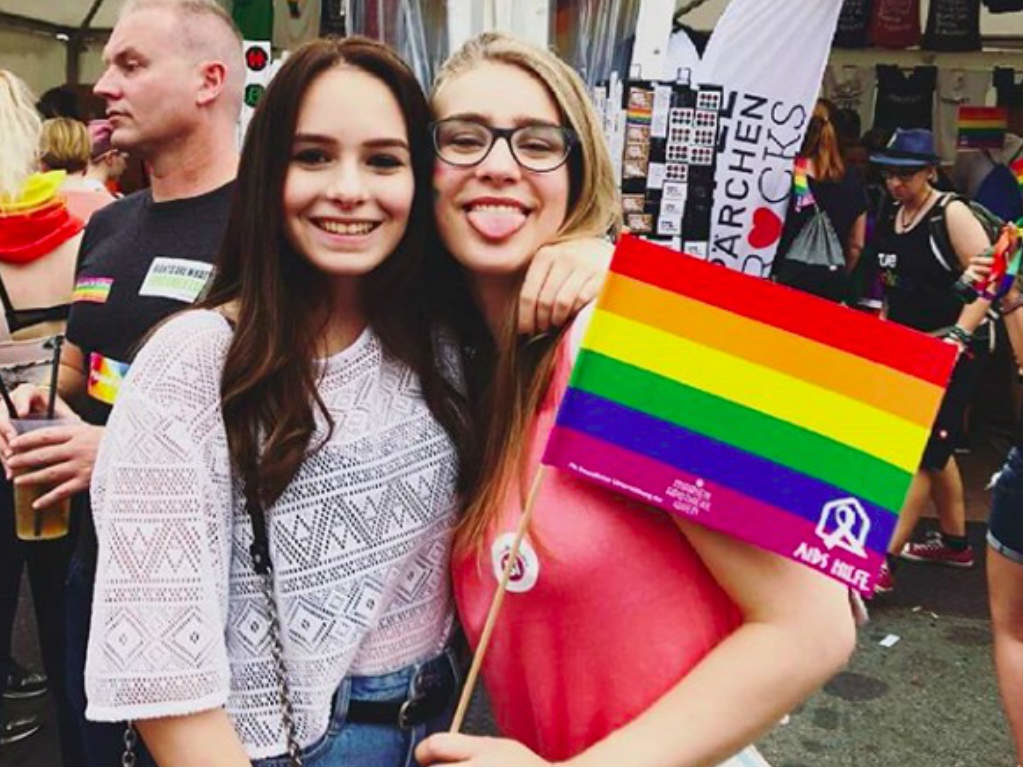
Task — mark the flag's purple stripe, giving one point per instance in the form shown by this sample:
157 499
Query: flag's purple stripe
721 463
731 512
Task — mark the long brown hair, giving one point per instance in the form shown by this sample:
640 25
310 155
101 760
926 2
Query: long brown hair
821 144
280 302
512 377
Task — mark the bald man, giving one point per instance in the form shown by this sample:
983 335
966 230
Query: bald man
173 86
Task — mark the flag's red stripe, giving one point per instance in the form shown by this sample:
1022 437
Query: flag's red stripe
889 344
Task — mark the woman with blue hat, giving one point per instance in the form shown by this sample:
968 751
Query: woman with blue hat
918 273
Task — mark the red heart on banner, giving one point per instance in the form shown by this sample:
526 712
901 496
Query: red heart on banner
766 230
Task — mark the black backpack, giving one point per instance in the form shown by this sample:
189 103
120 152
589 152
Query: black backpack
938 233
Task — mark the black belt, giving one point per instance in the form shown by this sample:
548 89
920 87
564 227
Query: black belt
435 689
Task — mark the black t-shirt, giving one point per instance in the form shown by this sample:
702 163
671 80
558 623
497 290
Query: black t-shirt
1008 88
842 201
953 25
904 101
918 287
142 261
853 25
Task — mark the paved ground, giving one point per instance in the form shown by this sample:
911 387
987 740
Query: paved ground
928 700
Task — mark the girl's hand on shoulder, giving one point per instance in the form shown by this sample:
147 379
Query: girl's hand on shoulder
460 749
562 278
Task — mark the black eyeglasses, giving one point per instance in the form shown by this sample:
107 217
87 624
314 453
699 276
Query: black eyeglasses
466 143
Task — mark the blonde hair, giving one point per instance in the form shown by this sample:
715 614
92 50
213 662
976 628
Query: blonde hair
19 126
822 143
64 145
593 209
522 371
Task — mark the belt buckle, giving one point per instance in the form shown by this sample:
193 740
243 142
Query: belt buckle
404 713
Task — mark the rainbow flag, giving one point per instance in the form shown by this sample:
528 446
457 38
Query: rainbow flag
777 417
980 127
801 187
94 289
105 378
639 115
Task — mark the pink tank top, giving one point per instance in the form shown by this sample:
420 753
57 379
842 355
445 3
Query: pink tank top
608 608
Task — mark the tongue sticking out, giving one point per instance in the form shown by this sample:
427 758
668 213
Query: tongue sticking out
496 224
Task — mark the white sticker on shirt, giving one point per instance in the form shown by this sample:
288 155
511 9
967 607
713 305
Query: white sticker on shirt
526 569
177 279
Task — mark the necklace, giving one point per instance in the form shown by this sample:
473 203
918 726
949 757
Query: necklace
908 221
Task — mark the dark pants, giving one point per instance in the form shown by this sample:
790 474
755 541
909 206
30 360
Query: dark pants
102 743
47 563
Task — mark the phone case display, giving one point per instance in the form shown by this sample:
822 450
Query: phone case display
896 23
853 26
668 150
953 25
904 100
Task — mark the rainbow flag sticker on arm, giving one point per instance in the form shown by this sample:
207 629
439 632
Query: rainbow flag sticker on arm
779 418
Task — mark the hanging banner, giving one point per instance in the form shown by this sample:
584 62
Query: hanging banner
769 59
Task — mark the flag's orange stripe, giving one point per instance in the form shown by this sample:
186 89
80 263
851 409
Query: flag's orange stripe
890 344
874 384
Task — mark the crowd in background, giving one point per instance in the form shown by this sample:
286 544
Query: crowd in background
303 383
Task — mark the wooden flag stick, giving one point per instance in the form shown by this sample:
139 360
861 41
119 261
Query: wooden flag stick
492 613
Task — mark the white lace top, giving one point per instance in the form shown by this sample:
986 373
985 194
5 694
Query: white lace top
360 542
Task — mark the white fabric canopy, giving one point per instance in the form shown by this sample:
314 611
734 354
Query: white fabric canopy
66 13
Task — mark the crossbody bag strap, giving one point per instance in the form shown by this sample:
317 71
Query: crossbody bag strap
261 563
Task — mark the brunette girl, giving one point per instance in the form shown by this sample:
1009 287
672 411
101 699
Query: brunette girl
297 419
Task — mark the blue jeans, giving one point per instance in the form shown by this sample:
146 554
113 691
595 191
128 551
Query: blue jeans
347 743
1004 524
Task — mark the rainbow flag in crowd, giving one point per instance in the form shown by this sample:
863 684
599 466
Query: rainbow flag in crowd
980 127
772 415
801 186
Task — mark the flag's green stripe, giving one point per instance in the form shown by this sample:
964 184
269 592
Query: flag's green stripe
752 431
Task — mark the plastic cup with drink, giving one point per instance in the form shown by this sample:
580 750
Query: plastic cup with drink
38 524
50 522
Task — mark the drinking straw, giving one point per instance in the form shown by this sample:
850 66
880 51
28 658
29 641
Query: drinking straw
57 341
